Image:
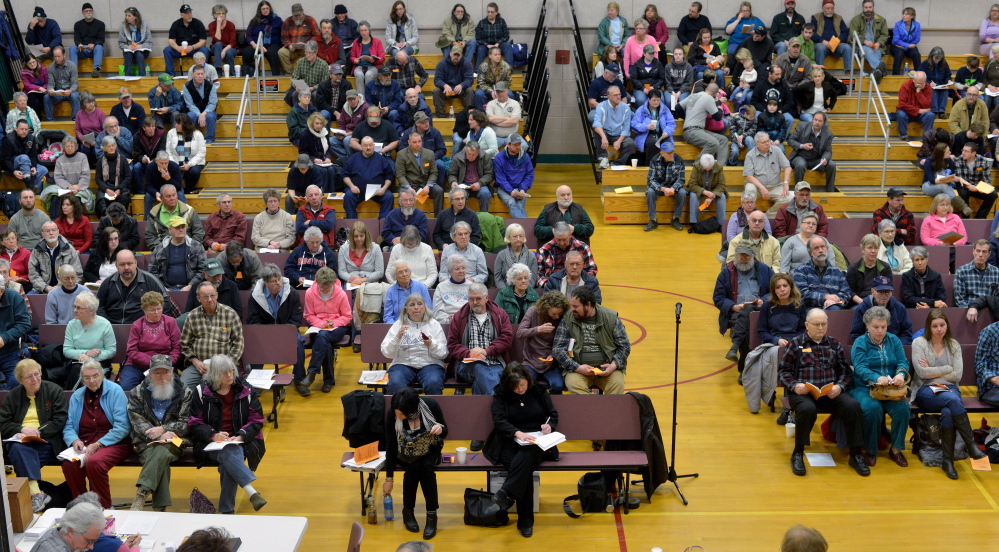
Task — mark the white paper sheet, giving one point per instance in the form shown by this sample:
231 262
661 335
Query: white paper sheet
369 191
142 525
219 445
820 460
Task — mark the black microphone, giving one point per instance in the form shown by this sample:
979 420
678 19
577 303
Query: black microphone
678 307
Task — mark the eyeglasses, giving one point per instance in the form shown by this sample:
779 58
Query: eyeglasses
94 377
32 376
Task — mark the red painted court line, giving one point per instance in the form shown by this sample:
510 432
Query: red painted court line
622 540
660 291
725 369
640 327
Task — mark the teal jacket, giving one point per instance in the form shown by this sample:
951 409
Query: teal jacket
508 301
871 361
603 33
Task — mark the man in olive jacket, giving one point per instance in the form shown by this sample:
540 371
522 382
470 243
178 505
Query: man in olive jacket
599 356
416 167
707 181
873 32
478 185
158 409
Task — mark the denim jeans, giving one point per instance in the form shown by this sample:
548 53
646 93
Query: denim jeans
483 377
484 196
23 163
719 203
431 378
97 53
679 198
517 207
340 147
700 69
939 102
733 157
323 345
902 119
391 50
457 142
49 103
7 364
210 119
933 189
949 403
138 58
553 376
873 57
899 55
139 177
170 56
233 473
129 377
28 458
844 51
229 58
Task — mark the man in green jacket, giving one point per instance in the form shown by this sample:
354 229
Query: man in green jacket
785 25
873 32
599 348
807 46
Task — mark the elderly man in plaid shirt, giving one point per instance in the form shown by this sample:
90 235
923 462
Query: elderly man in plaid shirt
666 179
977 278
814 359
211 329
408 71
296 30
975 168
551 256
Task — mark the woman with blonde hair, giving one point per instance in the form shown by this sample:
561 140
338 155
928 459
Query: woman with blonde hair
613 29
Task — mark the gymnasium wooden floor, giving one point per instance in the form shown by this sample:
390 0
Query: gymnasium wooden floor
745 497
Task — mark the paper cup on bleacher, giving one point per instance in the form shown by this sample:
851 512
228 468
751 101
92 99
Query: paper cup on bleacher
460 454
789 429
634 163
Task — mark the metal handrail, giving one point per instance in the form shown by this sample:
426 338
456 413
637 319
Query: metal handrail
246 103
858 62
881 113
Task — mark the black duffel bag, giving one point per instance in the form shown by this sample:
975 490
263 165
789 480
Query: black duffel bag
591 491
480 510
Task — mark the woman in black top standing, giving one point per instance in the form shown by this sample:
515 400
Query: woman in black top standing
406 424
519 407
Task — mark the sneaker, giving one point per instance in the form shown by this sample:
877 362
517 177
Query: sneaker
140 499
676 224
257 501
652 225
96 74
604 163
38 502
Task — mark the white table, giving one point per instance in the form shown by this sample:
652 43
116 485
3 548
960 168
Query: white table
258 533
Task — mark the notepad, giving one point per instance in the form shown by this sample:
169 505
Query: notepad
544 441
373 377
219 445
317 329
950 237
25 439
833 43
366 453
624 190
176 441
981 464
89 139
260 379
338 196
915 143
71 455
985 188
820 460
422 194
299 84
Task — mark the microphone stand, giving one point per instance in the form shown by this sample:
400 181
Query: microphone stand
671 476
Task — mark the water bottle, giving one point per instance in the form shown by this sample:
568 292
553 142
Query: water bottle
388 507
450 113
372 512
905 70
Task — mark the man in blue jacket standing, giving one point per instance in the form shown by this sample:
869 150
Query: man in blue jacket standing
452 77
15 323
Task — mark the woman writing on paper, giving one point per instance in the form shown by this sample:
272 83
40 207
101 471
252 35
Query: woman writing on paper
225 409
35 408
519 407
414 436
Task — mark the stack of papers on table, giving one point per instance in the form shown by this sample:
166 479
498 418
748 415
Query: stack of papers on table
370 466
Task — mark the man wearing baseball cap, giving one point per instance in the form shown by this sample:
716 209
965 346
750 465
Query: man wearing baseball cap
759 46
227 289
785 25
165 101
387 94
740 289
88 38
129 114
666 179
331 94
895 211
597 92
43 32
187 37
158 408
881 296
296 32
796 68
178 260
828 25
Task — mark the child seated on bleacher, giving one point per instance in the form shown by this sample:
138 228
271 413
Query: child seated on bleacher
771 121
741 131
969 75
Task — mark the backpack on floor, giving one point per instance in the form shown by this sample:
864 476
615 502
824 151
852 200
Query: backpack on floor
591 491
706 226
200 504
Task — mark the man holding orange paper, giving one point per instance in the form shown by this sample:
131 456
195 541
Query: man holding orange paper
815 358
591 346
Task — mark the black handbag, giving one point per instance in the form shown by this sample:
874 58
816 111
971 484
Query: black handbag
480 510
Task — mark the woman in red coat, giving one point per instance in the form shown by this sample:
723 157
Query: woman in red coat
73 224
366 55
12 252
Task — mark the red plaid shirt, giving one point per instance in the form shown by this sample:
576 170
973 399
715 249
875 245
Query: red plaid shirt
817 363
551 259
293 34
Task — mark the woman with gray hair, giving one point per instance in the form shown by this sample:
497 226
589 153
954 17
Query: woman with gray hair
88 336
451 293
922 287
417 346
20 111
114 177
72 172
226 410
861 273
418 255
89 120
97 427
879 359
223 35
367 55
107 542
516 251
79 528
519 295
895 256
795 249
475 260
201 60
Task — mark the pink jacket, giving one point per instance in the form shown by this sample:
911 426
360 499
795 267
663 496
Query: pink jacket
633 51
337 309
933 227
376 50
142 344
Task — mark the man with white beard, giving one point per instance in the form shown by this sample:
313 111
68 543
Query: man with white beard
742 286
406 214
566 210
158 409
